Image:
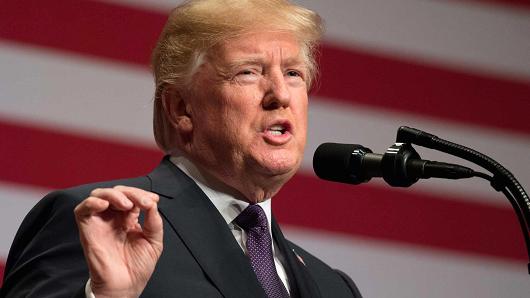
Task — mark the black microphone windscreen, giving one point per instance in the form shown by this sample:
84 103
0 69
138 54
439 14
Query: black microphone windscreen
332 161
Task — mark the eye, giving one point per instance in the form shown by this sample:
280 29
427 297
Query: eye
246 72
295 76
294 73
247 75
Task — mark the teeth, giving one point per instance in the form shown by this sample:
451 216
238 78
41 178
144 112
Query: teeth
276 130
276 127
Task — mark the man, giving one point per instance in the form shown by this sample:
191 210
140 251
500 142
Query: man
232 79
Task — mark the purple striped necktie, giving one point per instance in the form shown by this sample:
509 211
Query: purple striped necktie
259 246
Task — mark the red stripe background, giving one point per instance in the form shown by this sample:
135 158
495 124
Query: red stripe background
2 268
54 160
86 27
516 3
357 77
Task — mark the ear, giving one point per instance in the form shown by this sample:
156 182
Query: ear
178 109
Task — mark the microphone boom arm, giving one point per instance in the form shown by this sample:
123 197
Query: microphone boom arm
502 180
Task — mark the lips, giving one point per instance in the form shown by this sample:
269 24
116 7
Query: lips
278 133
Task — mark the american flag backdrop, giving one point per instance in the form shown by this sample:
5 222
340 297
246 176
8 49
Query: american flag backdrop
76 106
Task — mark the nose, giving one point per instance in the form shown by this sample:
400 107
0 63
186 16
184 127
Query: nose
277 94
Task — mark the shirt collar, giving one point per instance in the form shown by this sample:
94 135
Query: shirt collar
227 204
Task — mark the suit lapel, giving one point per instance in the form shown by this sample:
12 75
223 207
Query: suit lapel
301 282
203 230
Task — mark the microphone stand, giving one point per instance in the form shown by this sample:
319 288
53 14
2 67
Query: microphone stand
502 180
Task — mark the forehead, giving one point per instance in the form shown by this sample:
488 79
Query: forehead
260 45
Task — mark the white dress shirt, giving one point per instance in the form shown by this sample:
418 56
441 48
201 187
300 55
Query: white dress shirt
229 207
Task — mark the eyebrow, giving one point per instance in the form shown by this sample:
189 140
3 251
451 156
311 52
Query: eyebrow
246 61
292 61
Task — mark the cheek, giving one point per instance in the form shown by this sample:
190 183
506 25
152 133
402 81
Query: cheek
301 114
230 126
240 110
301 118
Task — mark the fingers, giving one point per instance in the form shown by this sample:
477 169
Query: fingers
153 227
147 201
139 197
90 206
121 198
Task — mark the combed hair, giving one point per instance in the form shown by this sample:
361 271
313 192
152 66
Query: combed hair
197 25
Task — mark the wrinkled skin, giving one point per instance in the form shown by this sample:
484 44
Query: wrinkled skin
243 123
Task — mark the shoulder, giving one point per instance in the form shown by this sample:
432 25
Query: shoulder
84 190
69 197
66 199
329 280
59 204
55 213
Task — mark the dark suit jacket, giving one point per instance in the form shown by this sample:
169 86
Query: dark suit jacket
200 259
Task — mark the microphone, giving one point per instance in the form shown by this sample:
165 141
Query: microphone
400 166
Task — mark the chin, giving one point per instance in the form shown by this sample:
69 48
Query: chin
280 166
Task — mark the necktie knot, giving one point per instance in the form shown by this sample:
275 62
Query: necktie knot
252 217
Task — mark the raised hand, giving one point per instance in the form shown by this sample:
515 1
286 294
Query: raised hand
120 253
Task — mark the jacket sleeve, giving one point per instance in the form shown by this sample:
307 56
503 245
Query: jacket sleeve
46 258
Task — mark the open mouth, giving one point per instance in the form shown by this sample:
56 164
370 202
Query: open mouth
277 130
278 133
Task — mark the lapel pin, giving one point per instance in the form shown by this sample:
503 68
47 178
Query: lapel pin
299 257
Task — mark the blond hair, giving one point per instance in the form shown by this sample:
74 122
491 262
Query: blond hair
197 25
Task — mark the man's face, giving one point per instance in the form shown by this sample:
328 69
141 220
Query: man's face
249 111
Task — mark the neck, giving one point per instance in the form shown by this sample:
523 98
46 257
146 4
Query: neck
241 188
